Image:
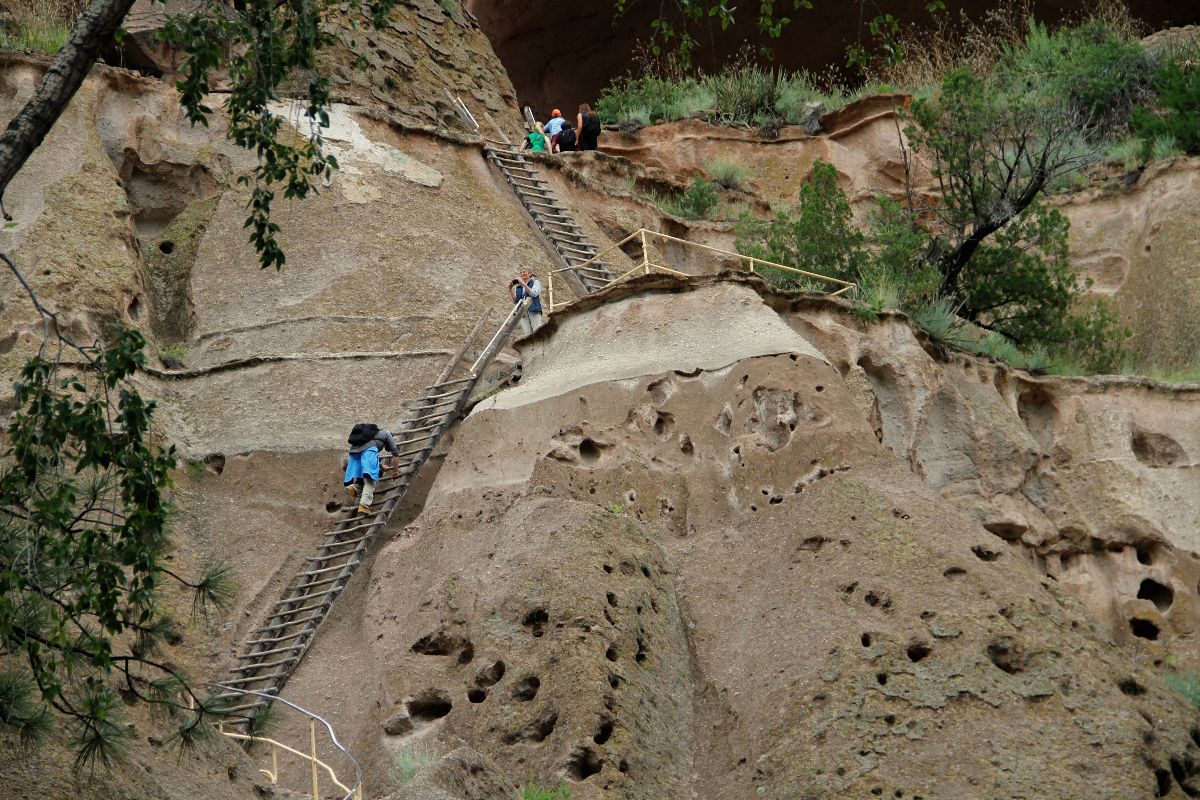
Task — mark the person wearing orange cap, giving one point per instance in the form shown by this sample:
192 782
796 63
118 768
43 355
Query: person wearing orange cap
554 125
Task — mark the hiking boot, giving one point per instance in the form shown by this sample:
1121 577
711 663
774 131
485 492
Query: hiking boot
353 490
364 509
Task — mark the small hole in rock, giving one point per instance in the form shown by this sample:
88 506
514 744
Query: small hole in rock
1155 592
604 733
1143 629
491 675
1145 556
611 652
614 680
865 639
623 766
589 452
1131 687
166 247
333 506
612 599
608 568
882 677
429 705
917 651
645 571
527 688
984 554
583 763
476 695
954 573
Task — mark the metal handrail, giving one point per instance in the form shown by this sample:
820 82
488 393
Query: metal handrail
646 266
353 792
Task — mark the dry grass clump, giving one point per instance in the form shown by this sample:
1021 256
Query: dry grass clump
37 24
930 51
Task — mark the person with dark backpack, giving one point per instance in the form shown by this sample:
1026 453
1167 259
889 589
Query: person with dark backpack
362 463
589 128
565 142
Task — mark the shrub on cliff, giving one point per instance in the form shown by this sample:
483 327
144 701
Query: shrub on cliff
1178 114
817 236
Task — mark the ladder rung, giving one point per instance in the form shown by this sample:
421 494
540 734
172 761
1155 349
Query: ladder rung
337 544
312 585
256 704
272 640
448 383
430 405
311 572
275 650
447 394
281 625
590 253
299 609
263 664
250 679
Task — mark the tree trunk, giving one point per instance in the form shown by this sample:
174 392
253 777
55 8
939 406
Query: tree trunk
93 30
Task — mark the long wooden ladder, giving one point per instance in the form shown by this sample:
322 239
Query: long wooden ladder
561 231
270 655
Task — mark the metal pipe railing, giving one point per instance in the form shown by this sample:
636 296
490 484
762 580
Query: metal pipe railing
645 266
351 792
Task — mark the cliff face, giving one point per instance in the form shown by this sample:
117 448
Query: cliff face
1136 241
691 568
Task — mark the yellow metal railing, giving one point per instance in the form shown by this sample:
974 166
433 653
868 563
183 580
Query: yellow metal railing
352 792
645 266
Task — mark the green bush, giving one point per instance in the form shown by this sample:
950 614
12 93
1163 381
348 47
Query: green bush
408 761
820 238
697 202
1101 74
531 791
1186 684
655 97
728 174
1178 116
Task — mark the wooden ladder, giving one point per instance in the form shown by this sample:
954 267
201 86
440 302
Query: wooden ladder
270 655
559 228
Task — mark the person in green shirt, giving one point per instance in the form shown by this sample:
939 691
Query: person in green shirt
536 140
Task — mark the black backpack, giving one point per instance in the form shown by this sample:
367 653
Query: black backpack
591 125
362 433
566 140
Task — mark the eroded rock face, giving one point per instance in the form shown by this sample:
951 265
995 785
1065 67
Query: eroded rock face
1139 245
706 575
128 214
1093 480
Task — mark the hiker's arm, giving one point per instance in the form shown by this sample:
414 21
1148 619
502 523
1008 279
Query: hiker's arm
389 442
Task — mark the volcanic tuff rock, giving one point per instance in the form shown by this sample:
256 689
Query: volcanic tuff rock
1134 235
697 571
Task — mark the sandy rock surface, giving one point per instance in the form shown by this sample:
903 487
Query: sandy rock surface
715 580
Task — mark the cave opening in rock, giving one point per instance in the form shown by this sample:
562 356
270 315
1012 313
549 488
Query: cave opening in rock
1155 592
1143 629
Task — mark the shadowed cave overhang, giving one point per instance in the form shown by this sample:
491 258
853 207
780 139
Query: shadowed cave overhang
563 54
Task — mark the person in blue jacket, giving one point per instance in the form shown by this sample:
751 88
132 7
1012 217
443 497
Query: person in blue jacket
362 464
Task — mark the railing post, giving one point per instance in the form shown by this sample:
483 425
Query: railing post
312 736
645 253
274 763
550 290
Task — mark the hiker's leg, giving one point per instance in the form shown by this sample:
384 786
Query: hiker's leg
368 492
523 324
535 320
